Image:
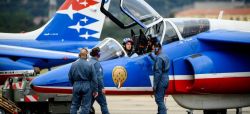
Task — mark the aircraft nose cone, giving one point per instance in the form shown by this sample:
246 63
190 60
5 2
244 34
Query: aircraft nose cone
56 77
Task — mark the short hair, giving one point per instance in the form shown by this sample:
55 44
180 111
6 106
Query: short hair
95 51
80 54
85 49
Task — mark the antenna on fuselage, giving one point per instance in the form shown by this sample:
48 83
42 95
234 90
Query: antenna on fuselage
220 15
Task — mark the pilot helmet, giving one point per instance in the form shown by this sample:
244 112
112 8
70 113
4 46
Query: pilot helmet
126 40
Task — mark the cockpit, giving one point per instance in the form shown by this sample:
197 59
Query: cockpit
110 49
138 12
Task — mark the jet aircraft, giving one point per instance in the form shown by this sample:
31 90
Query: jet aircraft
77 24
209 60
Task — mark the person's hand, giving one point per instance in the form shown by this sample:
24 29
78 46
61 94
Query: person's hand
103 91
95 94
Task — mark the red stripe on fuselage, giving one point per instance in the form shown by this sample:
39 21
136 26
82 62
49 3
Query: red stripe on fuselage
51 90
208 85
213 85
69 91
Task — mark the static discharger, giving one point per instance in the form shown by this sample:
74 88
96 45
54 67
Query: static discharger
119 76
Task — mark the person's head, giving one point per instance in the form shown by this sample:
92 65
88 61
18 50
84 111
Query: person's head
157 48
95 52
83 53
128 44
152 42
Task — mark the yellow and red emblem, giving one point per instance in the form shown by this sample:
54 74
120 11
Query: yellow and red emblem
119 76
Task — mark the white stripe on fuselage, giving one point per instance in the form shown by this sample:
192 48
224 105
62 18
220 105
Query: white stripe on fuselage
177 77
25 49
210 75
106 88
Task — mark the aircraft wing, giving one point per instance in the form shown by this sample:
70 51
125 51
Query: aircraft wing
224 36
16 51
16 60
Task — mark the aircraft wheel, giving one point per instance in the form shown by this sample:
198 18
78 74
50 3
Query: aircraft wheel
220 111
92 110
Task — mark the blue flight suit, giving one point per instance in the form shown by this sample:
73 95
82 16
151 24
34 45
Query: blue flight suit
101 99
81 75
161 80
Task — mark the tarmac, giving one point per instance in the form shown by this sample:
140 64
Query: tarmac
143 104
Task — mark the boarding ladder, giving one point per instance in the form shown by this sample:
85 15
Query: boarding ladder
9 106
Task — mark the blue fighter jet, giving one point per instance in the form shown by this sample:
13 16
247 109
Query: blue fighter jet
209 60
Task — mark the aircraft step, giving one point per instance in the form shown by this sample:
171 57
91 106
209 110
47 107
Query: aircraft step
9 105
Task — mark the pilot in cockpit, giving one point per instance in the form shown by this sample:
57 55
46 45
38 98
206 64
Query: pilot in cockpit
128 46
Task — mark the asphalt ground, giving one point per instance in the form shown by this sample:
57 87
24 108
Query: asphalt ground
146 105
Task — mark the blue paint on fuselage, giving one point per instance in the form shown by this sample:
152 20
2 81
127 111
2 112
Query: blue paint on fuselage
226 58
8 64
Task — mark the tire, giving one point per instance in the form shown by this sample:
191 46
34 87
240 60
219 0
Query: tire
220 111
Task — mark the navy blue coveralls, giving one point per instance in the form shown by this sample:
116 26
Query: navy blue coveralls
101 99
81 75
161 80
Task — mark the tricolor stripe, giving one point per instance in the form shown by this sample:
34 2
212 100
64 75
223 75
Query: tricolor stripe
208 81
210 75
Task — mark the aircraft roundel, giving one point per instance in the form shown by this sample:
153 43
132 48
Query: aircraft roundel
119 76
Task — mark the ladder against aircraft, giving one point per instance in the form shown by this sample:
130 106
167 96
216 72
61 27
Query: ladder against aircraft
8 106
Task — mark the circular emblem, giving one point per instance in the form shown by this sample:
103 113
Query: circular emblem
119 76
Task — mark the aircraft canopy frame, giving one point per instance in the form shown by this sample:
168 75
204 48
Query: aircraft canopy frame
110 49
137 10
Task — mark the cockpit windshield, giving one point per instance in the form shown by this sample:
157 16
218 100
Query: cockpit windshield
189 27
132 12
141 12
110 49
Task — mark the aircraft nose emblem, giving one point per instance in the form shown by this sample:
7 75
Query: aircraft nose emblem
119 76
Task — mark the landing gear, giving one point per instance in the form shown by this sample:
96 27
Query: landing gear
190 112
219 111
238 110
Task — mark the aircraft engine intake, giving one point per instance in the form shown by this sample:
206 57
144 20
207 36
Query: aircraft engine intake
201 64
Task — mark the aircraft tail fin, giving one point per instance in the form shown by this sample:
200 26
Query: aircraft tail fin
76 20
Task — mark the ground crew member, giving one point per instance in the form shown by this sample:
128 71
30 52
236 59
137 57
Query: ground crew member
151 42
161 78
81 74
101 99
